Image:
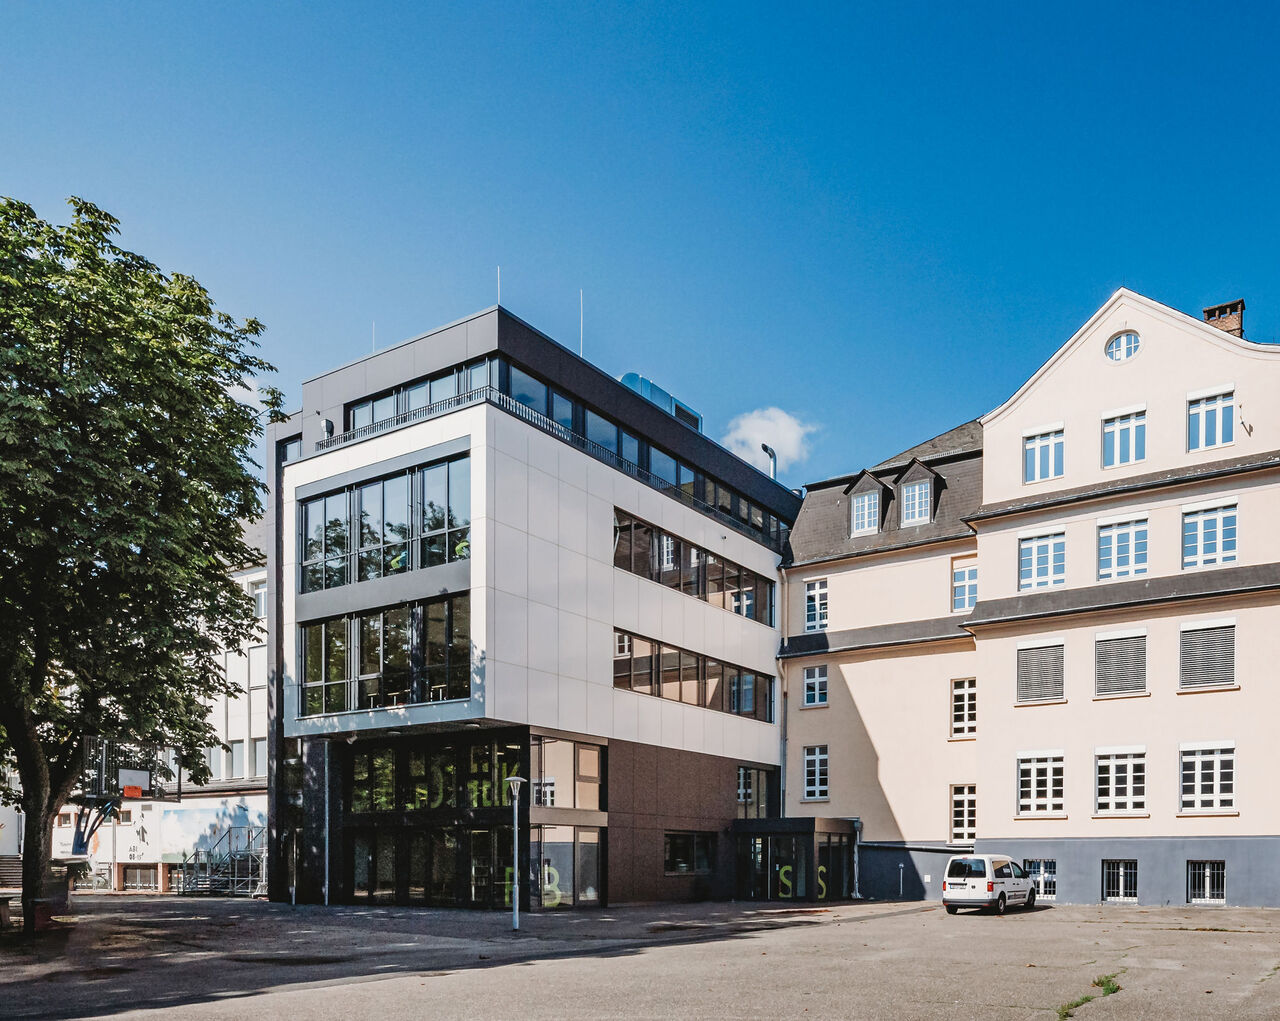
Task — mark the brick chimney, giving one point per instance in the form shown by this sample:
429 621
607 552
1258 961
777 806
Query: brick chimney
1229 317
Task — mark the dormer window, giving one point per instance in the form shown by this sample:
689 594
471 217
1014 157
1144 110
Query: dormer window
1123 346
866 513
915 503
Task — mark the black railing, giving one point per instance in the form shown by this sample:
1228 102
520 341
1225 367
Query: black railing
494 396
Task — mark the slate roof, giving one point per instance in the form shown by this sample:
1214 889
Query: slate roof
879 636
821 531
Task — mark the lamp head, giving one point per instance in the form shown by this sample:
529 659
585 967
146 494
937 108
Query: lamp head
514 783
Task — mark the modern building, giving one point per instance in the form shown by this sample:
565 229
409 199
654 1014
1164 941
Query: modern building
492 560
1099 703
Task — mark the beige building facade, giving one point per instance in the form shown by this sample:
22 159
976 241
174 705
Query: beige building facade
1098 704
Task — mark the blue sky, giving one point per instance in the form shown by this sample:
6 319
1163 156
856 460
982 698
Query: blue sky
880 219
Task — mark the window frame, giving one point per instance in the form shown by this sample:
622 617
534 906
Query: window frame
1043 878
815 687
816 606
1110 643
964 583
1125 871
1227 636
916 502
1126 345
1051 698
1129 429
865 507
1041 793
1212 874
817 773
1044 449
1226 531
964 814
1029 556
1135 534
1124 769
1218 406
964 707
1214 784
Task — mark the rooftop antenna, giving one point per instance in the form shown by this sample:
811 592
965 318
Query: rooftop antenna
373 339
579 322
499 285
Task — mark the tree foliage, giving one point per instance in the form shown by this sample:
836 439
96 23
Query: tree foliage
126 468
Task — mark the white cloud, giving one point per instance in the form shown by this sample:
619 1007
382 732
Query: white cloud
788 436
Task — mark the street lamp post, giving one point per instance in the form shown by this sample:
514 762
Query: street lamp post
514 783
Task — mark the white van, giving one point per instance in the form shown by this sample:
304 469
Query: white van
983 881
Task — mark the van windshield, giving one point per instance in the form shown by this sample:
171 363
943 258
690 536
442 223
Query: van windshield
966 868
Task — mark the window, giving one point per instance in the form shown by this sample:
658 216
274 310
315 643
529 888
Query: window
419 652
1042 561
1121 781
124 816
237 760
815 772
621 644
64 818
530 392
213 756
964 814
382 513
815 605
688 854
1206 882
258 592
1040 785
259 756
1209 537
1122 550
753 792
324 542
1119 880
290 450
915 503
1124 439
1042 457
1208 777
964 584
1122 347
1120 665
602 432
964 707
1044 874
648 668
446 512
815 685
866 513
1211 421
1207 657
1040 674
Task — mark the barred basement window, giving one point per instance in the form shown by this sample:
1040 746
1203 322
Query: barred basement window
1121 782
1120 665
964 707
1208 778
964 813
1044 874
1120 880
1206 882
1040 674
1040 785
1208 657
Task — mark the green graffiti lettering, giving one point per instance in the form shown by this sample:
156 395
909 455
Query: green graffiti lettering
784 881
822 885
551 895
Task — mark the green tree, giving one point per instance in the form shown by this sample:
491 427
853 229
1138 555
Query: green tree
126 467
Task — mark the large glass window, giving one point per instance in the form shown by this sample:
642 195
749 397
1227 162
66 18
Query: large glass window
688 854
383 514
324 542
446 512
326 678
384 658
683 676
530 392
602 432
1211 421
1042 456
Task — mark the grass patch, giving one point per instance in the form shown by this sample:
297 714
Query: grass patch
1108 985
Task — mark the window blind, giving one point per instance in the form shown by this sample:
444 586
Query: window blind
1208 657
1040 674
1120 665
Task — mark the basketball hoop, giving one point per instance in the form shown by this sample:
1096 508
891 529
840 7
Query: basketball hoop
116 771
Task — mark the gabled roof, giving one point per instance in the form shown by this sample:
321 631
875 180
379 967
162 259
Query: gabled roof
1170 315
963 439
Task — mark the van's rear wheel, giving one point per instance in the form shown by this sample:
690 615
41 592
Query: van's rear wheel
1031 900
952 909
1001 904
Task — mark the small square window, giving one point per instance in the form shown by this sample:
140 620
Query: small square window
815 686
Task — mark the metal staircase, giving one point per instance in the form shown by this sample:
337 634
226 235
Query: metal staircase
235 865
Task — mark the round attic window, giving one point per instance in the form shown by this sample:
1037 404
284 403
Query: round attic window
1123 346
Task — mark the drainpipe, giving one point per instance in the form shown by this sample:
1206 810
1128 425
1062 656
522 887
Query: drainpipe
782 685
326 824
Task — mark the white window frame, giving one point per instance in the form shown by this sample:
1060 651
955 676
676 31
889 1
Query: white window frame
1124 869
1045 794
1122 430
1044 878
815 686
1048 455
1222 522
816 773
1125 345
964 583
1052 548
258 592
1212 766
1117 770
1219 407
621 644
1207 871
1130 536
865 513
915 498
964 706
815 605
964 813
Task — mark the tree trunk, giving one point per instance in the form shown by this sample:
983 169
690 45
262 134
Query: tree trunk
37 849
